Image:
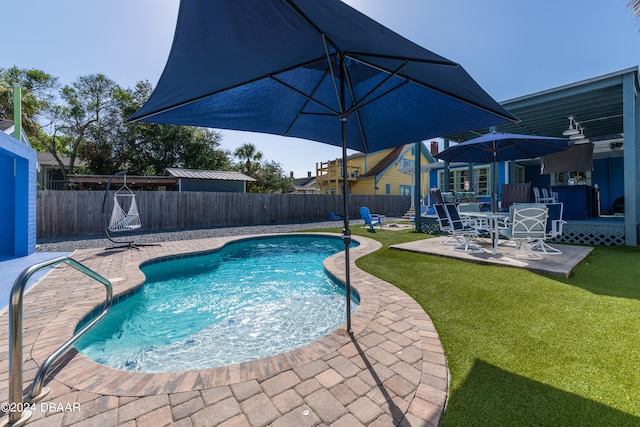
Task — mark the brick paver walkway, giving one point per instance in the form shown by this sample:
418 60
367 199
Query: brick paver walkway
391 371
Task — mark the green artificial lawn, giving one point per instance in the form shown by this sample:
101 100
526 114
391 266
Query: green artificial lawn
525 348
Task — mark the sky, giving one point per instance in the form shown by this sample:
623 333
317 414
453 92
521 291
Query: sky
510 48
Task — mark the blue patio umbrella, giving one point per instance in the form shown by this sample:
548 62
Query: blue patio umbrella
318 70
500 147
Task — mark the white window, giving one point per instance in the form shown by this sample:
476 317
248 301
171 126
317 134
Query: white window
459 180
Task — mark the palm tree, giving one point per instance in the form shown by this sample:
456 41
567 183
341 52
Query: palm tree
634 5
37 94
249 152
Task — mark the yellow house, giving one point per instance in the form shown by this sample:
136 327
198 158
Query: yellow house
387 172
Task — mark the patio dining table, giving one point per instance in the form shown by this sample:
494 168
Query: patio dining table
492 218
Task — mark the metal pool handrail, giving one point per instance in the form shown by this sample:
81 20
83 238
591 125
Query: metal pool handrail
20 415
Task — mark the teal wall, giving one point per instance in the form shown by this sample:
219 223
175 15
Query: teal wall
210 185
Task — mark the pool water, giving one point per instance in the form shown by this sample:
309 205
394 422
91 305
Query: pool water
249 300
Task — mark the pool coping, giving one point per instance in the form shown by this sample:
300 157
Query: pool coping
386 320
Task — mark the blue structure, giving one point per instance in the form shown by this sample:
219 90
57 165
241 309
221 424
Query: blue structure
17 198
607 110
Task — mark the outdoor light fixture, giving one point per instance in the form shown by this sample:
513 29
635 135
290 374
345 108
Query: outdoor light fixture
573 128
575 132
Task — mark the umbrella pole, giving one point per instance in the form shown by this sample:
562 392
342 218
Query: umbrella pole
494 185
346 232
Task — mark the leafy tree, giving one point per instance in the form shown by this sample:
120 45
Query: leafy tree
271 178
88 119
149 148
88 114
202 151
38 92
269 175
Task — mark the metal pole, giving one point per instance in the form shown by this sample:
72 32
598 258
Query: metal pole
16 398
346 232
417 185
445 185
15 347
17 111
494 185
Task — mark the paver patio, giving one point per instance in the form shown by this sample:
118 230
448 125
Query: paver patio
391 371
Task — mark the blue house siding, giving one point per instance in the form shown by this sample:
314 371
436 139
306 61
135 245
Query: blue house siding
609 175
532 174
17 198
7 201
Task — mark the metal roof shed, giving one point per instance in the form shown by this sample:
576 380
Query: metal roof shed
213 181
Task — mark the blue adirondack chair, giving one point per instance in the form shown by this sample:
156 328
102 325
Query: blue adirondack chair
369 218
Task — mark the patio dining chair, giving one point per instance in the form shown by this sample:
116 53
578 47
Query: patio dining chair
551 195
462 232
553 230
436 196
445 224
527 228
541 197
477 221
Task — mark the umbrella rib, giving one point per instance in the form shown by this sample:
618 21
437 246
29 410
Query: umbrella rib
444 61
380 95
201 97
360 103
298 12
299 92
333 76
302 15
357 112
315 89
518 148
433 88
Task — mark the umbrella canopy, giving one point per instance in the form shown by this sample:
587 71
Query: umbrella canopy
294 67
499 147
318 70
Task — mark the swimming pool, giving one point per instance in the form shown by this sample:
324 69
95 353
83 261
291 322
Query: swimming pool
249 300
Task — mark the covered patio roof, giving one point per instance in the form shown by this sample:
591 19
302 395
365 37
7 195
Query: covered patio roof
607 107
596 103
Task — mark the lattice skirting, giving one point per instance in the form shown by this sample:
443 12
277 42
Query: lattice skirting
592 234
581 234
429 225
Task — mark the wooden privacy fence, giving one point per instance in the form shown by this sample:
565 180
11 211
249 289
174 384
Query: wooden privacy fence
79 213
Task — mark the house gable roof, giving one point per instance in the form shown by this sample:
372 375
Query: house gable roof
387 161
47 159
301 182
